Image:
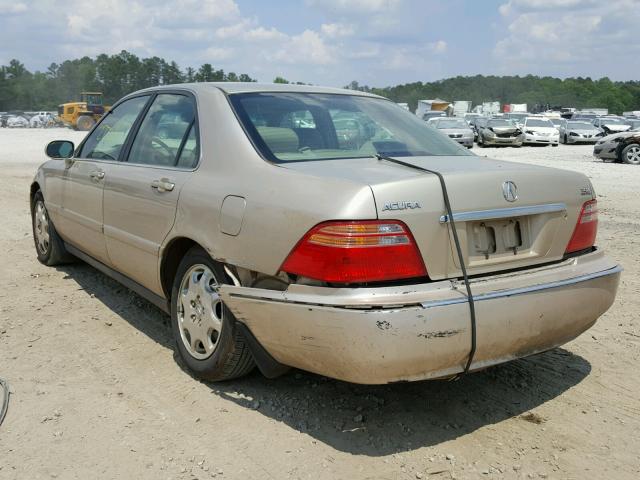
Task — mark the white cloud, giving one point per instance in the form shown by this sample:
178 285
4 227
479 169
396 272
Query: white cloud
333 30
218 53
438 47
262 34
560 37
308 47
355 6
8 7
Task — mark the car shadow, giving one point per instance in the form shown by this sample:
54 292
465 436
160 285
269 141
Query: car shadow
368 420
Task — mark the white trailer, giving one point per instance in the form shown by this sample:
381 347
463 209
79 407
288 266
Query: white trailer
490 108
425 106
460 107
518 108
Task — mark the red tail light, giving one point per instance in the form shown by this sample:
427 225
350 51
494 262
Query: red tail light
356 252
584 235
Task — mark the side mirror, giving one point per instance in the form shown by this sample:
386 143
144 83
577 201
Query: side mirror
60 149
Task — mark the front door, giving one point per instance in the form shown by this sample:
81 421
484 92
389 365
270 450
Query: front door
141 193
83 179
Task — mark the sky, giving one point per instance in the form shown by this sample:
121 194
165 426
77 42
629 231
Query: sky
332 42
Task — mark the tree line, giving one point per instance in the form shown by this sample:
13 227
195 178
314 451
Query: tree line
114 75
539 93
122 73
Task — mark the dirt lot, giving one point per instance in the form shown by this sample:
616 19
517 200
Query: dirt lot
97 392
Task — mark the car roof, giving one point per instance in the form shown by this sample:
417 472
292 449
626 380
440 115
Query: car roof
253 87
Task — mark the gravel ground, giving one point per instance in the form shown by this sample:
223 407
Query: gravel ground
97 392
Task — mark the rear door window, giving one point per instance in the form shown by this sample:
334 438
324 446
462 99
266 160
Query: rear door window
165 132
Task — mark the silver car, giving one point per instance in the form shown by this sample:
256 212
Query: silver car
579 132
498 131
455 128
324 229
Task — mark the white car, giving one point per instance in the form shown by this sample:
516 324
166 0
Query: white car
17 122
539 130
611 124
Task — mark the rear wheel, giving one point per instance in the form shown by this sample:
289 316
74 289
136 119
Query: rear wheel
205 330
49 246
631 154
85 123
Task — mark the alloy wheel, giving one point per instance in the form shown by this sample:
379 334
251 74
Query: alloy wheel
41 228
633 155
200 312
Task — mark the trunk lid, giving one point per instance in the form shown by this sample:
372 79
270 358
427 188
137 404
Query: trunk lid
495 234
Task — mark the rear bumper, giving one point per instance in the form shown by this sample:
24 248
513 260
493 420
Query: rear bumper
388 334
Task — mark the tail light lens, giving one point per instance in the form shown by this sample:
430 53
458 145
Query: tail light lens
356 252
584 235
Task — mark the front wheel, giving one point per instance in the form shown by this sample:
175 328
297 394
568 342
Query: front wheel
631 154
205 330
49 246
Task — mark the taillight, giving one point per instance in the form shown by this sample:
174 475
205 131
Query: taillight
356 252
584 235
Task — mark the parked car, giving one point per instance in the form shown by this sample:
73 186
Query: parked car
634 123
579 132
433 114
498 131
477 123
17 121
517 117
621 147
278 246
611 124
540 130
456 128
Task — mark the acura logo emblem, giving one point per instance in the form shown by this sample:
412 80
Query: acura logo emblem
510 191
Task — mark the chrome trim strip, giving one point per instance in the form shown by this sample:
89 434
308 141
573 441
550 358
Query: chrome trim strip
524 290
281 297
505 212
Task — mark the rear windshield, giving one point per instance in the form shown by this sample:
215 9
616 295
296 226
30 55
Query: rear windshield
289 127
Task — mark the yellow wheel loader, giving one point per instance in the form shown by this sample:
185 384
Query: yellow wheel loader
84 114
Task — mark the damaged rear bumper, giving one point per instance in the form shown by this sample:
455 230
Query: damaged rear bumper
387 334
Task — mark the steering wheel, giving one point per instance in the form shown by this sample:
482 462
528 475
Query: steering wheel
163 145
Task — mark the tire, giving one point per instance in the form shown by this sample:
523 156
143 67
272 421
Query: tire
49 246
85 123
554 144
220 351
631 154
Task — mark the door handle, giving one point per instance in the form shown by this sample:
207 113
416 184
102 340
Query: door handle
97 175
163 185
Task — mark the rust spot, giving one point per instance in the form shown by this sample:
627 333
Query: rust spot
383 325
440 334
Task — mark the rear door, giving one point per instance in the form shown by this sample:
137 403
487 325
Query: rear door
80 219
141 193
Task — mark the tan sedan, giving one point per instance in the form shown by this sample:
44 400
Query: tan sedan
323 229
